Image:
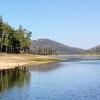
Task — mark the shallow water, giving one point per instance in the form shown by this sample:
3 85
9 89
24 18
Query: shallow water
79 80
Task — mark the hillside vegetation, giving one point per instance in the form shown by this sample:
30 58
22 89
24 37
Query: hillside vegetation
47 46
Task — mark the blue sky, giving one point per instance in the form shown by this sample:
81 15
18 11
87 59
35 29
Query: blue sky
72 22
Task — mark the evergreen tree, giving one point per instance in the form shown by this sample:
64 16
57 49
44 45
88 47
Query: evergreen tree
12 40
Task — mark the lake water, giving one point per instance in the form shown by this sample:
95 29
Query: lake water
76 80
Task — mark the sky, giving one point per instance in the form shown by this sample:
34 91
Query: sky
72 22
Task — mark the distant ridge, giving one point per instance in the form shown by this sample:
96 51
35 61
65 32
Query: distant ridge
59 47
95 49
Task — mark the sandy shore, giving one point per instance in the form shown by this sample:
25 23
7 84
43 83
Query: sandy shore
8 61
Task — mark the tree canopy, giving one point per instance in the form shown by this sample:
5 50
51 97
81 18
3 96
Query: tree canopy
14 40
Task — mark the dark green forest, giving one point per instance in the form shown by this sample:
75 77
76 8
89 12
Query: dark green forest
14 40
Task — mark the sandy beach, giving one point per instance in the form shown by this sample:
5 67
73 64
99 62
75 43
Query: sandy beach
8 61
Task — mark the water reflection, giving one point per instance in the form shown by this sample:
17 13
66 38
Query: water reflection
65 81
46 67
19 76
13 77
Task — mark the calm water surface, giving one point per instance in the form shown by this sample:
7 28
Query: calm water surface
79 80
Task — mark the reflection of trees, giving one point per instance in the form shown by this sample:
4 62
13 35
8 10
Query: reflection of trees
20 76
13 77
45 67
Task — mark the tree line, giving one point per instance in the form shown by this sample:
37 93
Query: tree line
44 51
14 40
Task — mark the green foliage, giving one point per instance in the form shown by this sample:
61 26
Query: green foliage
12 40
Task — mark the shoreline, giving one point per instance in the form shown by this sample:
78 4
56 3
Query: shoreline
10 61
76 55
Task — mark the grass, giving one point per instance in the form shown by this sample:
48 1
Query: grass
46 59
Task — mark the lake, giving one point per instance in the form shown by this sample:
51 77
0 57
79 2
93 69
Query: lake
75 80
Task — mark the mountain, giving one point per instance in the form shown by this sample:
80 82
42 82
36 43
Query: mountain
58 47
95 49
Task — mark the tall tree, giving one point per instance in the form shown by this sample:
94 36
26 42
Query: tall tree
12 40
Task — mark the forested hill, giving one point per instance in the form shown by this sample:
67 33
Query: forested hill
47 45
